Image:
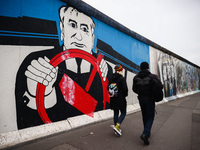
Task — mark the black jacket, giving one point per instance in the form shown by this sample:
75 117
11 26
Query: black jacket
119 102
142 83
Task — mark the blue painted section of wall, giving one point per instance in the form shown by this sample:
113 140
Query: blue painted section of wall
43 9
10 8
132 49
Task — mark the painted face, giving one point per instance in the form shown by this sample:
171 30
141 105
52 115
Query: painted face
77 30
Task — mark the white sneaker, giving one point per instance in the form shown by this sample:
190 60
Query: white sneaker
117 131
120 131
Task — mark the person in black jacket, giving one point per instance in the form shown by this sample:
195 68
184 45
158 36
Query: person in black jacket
142 84
119 103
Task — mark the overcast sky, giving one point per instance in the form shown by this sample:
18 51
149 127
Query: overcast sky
172 24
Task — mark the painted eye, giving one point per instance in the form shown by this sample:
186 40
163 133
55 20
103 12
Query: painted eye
73 25
84 29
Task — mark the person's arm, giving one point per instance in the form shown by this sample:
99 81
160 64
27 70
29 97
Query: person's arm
134 88
124 87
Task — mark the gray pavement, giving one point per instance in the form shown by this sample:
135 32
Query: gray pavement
176 127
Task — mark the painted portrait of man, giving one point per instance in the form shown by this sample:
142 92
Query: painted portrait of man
65 93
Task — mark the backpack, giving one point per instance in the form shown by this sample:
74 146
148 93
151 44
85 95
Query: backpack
157 93
113 90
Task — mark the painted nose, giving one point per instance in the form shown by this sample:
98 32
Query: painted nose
78 36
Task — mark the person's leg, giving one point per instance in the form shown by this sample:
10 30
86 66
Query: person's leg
149 118
116 115
117 125
145 115
122 115
143 110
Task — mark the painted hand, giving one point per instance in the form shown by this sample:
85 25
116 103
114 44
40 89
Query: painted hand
41 71
104 69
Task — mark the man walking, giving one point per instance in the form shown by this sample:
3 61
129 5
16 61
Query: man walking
142 85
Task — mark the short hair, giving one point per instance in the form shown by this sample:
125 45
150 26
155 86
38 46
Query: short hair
144 66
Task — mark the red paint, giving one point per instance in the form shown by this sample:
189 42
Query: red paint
40 103
77 97
89 104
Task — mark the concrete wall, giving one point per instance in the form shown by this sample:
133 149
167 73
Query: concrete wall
177 76
57 58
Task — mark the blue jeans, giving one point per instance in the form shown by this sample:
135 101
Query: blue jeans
117 118
148 114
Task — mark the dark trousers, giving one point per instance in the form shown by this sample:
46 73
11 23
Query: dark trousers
148 113
117 118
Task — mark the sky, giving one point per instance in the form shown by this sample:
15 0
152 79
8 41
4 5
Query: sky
172 24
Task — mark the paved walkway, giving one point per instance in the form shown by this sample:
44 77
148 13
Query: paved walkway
176 127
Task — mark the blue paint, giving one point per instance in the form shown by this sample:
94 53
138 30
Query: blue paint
10 8
118 61
42 9
31 36
127 46
28 33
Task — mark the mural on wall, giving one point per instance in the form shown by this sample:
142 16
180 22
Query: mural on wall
167 73
187 77
177 76
71 78
67 74
66 81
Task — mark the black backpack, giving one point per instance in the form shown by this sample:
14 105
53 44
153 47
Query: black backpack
157 93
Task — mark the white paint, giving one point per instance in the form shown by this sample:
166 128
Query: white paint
132 97
153 60
11 58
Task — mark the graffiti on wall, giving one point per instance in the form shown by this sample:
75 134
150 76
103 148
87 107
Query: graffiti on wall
167 75
71 78
177 76
187 77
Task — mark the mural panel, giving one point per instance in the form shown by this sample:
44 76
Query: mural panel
167 73
71 78
55 84
177 76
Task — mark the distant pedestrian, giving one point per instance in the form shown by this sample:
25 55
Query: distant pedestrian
118 90
142 85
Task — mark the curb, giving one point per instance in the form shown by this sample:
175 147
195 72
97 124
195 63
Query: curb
25 135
